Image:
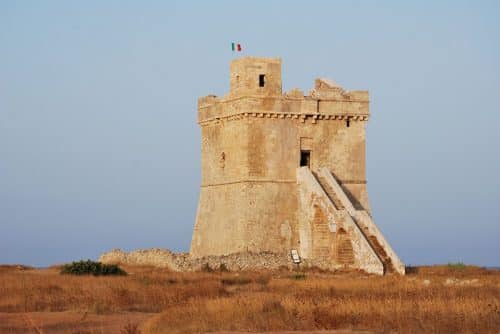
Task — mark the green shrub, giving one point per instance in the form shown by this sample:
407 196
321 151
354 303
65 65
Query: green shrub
92 268
457 265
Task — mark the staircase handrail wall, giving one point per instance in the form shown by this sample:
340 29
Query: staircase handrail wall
364 217
305 174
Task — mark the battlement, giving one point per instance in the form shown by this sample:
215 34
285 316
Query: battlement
255 90
326 89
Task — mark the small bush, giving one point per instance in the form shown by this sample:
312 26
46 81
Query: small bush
223 267
457 265
92 268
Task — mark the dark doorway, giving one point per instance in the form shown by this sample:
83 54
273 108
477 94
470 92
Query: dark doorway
262 80
305 158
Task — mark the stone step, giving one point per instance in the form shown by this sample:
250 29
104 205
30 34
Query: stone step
388 267
330 192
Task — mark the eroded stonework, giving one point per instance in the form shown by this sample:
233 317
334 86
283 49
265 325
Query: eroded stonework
283 171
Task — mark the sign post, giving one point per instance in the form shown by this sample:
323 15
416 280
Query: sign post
295 257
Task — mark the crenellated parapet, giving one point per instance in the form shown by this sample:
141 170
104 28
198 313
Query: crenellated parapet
255 91
327 101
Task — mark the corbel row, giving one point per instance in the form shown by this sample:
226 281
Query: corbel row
283 115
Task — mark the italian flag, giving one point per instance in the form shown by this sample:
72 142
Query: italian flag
236 46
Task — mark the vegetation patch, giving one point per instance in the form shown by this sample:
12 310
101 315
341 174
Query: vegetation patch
456 265
92 268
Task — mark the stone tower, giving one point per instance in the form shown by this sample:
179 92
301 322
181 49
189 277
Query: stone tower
286 171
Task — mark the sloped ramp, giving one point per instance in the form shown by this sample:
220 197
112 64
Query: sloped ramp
363 220
329 236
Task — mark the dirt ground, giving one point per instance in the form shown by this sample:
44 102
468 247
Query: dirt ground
84 323
68 322
341 331
78 323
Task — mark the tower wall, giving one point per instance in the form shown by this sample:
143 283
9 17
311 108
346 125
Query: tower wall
251 147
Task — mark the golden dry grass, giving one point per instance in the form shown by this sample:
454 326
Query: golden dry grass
435 300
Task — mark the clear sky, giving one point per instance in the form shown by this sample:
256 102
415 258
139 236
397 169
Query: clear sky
99 146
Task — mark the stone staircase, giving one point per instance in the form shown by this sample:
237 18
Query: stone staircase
329 191
364 222
348 247
378 248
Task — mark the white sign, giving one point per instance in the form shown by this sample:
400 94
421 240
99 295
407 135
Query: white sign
295 256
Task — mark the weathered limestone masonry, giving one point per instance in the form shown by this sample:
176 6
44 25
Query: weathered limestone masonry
287 171
163 258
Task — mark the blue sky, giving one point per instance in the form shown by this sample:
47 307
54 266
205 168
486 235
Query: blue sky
99 146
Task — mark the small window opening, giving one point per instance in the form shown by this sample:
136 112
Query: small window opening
222 160
348 122
305 158
262 80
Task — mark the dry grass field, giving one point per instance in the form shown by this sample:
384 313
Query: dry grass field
441 299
